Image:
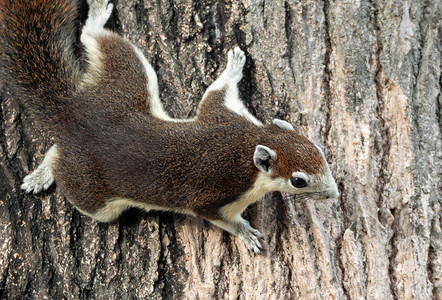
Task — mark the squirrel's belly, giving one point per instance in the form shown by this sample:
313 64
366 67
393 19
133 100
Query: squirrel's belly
113 208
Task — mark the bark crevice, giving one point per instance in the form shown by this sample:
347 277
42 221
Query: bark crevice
326 80
383 145
159 284
288 21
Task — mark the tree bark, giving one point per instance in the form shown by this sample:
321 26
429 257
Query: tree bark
360 78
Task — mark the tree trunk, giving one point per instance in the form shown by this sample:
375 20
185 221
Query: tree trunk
360 78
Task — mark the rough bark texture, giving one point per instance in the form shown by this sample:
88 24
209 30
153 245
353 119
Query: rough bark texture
361 78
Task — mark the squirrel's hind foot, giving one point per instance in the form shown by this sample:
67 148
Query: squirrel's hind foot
42 178
39 180
235 63
99 13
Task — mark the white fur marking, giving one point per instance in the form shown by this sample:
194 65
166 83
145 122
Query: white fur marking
302 175
233 103
94 58
282 124
155 105
262 185
114 207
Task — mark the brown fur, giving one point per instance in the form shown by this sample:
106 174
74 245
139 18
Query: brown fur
212 111
295 153
123 96
156 162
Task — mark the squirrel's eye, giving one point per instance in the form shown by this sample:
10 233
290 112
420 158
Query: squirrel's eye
298 182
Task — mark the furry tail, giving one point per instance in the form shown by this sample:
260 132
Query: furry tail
37 55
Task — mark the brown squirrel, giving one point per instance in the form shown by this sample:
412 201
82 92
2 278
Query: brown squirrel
115 145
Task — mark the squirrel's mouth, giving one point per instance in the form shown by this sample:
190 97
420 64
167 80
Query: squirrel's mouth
323 195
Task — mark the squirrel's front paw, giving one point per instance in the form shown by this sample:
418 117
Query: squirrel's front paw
39 180
250 237
235 62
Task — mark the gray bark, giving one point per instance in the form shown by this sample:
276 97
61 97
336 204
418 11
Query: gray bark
360 78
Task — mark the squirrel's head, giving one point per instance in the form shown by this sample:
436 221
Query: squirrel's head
291 163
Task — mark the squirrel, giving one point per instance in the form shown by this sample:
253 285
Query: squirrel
115 145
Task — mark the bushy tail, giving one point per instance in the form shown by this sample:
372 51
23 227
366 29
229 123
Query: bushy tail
36 55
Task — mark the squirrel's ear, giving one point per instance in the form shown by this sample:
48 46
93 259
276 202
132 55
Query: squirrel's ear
282 124
263 157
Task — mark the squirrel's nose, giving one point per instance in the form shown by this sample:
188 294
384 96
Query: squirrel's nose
333 193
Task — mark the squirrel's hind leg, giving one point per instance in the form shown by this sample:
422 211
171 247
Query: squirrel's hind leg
99 13
42 178
224 90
